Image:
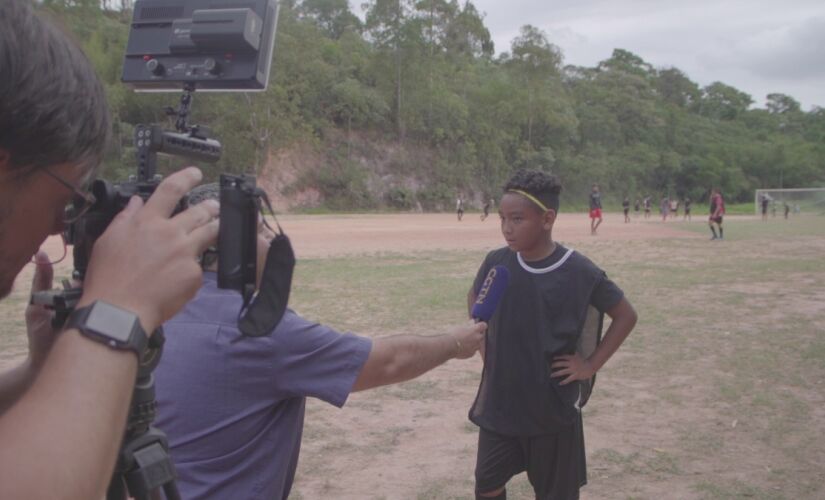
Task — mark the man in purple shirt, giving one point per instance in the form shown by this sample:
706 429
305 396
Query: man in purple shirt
233 406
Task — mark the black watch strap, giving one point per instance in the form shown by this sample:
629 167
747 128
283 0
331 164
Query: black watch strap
108 324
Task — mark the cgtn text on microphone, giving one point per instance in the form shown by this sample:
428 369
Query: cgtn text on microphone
491 292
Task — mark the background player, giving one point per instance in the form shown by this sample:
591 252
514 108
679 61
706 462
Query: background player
486 209
764 200
595 209
528 402
717 211
626 208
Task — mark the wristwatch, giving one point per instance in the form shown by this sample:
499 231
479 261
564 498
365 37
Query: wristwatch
110 325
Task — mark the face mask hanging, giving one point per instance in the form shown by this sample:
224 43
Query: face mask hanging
241 210
267 308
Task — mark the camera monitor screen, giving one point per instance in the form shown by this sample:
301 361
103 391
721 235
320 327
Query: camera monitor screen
213 44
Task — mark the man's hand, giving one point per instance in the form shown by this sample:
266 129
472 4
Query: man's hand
571 366
38 318
469 339
146 261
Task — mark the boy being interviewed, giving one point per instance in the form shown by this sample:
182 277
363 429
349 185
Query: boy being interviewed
535 377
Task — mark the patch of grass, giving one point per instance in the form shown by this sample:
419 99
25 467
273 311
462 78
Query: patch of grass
723 488
445 489
700 442
415 390
663 462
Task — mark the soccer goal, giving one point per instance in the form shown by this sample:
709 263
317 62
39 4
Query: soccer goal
798 200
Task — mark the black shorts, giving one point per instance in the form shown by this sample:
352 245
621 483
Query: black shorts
555 463
717 220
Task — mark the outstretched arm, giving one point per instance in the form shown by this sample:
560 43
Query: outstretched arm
572 367
405 357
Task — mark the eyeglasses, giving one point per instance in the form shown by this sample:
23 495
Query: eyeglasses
81 202
63 254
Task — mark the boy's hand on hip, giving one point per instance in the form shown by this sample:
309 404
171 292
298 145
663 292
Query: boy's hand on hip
572 367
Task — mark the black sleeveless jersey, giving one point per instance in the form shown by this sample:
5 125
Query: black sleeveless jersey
541 315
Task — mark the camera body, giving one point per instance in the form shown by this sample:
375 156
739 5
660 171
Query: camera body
212 45
110 200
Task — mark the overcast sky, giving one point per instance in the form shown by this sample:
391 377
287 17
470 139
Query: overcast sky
757 46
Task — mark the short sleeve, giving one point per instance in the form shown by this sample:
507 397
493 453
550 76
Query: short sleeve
606 294
316 361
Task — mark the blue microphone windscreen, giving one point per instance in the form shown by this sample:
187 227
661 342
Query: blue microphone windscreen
490 293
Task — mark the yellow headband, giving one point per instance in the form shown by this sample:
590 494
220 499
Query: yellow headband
530 197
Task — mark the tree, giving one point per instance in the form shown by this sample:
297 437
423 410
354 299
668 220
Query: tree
781 104
724 102
676 88
628 62
535 62
332 16
387 22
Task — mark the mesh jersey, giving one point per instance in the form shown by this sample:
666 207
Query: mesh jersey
545 310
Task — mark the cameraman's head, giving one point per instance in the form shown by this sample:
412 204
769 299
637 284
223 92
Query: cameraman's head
53 129
209 260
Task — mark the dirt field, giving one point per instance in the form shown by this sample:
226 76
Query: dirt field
718 393
319 236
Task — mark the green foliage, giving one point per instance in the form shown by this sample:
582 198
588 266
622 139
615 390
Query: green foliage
401 198
343 186
418 78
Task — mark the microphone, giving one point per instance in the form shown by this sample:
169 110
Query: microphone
490 294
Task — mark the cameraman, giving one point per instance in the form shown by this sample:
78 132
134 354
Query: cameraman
63 412
233 406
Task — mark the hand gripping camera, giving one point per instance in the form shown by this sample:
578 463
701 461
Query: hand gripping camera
211 45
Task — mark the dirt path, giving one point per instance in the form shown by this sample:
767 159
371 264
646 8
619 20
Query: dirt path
333 235
696 405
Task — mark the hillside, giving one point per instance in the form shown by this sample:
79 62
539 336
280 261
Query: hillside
411 107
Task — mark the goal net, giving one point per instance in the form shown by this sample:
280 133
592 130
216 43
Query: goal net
798 201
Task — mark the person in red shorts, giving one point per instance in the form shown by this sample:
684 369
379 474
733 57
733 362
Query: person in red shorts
595 209
717 210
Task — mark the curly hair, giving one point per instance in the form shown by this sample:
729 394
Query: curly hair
544 186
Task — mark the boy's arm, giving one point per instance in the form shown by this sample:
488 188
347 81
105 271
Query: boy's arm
573 367
623 318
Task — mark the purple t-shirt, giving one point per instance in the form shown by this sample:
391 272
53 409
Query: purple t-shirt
233 406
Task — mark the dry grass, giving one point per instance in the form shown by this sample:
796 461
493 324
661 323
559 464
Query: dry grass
718 393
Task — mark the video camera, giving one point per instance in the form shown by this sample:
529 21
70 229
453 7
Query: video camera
212 45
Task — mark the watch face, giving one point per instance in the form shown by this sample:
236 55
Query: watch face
111 321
